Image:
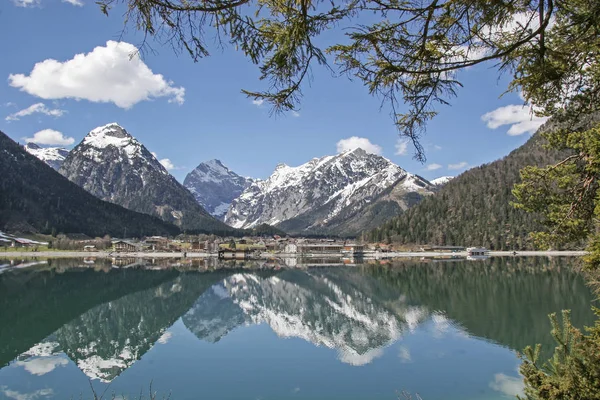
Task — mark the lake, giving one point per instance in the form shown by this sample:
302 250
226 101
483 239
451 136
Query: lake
443 329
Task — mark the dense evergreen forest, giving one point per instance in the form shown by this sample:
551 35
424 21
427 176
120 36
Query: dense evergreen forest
36 198
474 209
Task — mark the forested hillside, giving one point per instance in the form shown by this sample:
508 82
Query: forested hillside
474 208
34 197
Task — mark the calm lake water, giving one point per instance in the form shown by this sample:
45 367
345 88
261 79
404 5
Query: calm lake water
445 330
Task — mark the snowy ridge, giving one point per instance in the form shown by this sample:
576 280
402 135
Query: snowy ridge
53 156
351 179
442 180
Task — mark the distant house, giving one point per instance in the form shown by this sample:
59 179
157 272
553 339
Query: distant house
89 247
198 246
21 243
157 243
125 246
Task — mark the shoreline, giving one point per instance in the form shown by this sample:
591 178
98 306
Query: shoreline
150 255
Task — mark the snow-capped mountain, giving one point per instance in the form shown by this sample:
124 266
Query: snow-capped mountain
325 193
441 181
53 156
215 186
114 166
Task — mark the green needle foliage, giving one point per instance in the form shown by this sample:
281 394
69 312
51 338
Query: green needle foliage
573 373
406 52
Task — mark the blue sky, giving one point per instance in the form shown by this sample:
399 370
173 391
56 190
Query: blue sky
196 112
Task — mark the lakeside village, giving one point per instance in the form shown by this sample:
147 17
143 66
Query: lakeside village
223 247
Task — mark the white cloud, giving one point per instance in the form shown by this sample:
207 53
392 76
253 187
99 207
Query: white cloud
433 167
459 165
108 74
167 163
508 385
36 108
26 3
401 147
42 365
13 394
50 137
10 104
437 147
295 114
258 102
35 3
356 142
519 117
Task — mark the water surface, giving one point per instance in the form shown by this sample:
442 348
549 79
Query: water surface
445 330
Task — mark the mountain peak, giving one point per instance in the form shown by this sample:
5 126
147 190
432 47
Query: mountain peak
356 151
109 128
214 186
32 146
110 135
114 166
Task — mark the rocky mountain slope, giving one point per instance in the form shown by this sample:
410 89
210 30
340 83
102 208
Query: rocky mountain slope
215 186
327 194
53 156
114 166
474 209
34 197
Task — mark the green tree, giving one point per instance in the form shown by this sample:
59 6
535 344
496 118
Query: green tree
405 51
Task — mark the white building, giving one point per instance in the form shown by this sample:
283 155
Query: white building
290 248
477 251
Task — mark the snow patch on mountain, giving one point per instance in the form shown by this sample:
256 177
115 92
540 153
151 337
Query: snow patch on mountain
442 180
53 156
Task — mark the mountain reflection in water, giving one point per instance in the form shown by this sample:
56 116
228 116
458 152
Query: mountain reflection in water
106 319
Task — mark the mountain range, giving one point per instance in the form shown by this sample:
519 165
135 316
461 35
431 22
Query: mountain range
114 166
341 194
34 197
